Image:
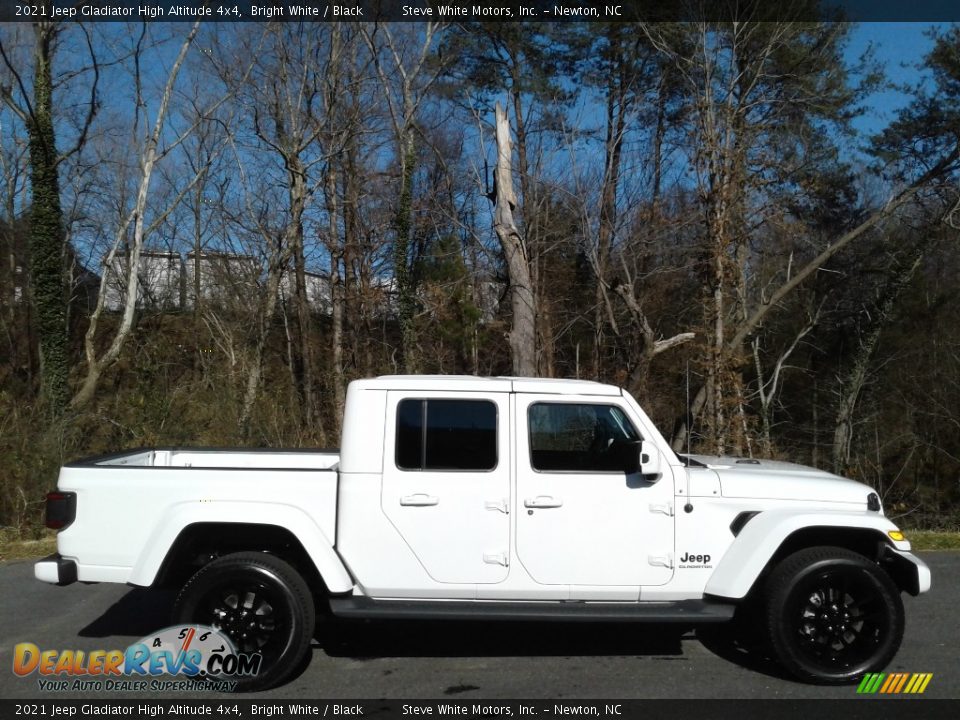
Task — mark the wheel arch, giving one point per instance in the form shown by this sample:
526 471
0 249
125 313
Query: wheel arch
201 543
188 538
772 536
868 542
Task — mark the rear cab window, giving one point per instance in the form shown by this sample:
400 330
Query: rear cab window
440 434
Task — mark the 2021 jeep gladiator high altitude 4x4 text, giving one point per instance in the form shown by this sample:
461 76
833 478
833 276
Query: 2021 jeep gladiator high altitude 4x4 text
493 498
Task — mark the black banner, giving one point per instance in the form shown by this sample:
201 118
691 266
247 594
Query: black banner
244 708
477 10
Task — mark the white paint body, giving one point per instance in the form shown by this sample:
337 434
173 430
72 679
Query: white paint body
508 533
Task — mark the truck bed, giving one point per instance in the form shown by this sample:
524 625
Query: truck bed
225 458
131 505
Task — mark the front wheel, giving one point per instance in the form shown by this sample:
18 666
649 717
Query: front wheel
261 603
832 615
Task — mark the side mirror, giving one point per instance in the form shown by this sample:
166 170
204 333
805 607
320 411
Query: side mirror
649 459
627 457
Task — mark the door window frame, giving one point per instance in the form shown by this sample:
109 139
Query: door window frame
578 401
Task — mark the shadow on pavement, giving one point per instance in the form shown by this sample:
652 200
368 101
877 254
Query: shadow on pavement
368 640
143 611
360 640
138 613
740 649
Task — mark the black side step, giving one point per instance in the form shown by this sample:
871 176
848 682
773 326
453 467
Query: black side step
684 611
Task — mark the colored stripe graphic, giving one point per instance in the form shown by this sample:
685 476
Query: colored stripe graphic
894 683
890 682
870 683
901 682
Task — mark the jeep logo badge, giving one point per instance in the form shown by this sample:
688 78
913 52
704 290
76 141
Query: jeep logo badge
691 560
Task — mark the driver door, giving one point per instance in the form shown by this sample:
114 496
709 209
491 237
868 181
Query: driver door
581 519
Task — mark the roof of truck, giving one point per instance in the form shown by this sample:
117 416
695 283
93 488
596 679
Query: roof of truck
472 383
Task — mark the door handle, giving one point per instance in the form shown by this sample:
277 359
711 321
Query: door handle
543 501
498 505
419 500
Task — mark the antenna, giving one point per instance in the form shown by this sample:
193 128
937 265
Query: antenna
688 508
688 413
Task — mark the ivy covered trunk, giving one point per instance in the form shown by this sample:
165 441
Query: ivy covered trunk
46 231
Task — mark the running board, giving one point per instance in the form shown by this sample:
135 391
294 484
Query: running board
684 611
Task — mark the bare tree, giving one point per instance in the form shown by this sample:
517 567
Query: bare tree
523 301
749 90
292 93
150 153
406 74
342 175
768 388
299 124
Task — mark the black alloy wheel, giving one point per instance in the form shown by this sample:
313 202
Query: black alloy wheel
261 603
832 615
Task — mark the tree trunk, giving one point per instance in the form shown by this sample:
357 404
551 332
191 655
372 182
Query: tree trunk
402 263
275 270
336 298
46 230
303 361
530 229
617 108
523 330
716 370
658 138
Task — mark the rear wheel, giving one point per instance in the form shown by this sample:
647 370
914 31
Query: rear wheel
261 603
832 615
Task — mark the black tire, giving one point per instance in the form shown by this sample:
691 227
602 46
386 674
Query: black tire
832 615
261 603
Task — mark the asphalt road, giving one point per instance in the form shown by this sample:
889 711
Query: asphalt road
460 661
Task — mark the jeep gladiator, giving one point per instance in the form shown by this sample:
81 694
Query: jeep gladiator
469 498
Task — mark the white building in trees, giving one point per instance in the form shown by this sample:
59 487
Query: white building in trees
159 281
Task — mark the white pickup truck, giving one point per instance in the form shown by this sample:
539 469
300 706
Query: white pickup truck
493 498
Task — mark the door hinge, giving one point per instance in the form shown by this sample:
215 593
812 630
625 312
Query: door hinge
498 505
661 561
496 559
665 508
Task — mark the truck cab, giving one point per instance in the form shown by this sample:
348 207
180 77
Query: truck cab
505 488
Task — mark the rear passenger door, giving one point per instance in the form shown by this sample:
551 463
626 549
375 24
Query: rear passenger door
446 482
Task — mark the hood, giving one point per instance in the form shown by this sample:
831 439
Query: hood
776 480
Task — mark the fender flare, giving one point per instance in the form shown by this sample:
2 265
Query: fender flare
181 515
763 536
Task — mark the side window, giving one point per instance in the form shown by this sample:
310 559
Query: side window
446 435
579 437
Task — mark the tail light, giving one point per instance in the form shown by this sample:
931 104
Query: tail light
61 509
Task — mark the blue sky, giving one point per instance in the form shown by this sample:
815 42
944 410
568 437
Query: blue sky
899 47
